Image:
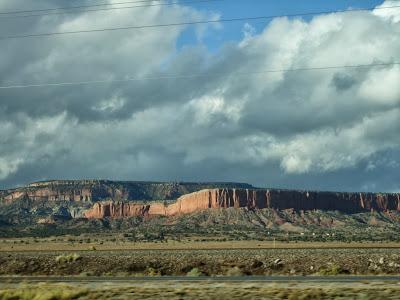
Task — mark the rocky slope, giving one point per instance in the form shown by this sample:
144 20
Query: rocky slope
252 199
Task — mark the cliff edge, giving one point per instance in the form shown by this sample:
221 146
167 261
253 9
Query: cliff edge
251 199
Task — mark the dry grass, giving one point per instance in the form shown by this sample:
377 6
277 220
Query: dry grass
202 291
43 293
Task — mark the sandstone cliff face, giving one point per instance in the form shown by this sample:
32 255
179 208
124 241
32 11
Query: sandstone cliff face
120 199
252 199
116 210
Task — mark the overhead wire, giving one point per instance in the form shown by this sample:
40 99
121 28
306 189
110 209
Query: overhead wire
149 26
182 76
75 7
91 5
6 16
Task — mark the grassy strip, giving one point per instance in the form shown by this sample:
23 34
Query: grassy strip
240 291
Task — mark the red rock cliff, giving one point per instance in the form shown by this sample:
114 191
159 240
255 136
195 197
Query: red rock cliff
252 199
116 210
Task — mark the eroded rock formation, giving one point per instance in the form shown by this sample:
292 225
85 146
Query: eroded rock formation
252 199
51 194
101 198
116 210
100 190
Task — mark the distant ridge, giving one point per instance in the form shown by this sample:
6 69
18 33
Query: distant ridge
93 190
91 205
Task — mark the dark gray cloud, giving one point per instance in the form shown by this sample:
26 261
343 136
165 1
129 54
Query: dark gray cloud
343 82
327 129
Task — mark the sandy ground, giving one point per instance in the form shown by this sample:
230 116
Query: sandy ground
27 244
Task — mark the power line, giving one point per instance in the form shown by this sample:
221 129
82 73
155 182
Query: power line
2 17
72 7
87 6
191 23
186 76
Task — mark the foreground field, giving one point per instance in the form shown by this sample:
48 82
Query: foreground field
207 262
201 290
66 268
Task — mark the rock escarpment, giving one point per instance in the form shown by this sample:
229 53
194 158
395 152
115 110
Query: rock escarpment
116 210
252 199
100 190
97 199
52 194
75 197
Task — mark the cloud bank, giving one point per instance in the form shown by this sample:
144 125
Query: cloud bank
321 129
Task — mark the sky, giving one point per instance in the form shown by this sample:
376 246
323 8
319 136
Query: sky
203 109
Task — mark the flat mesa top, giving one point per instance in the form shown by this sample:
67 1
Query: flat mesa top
103 181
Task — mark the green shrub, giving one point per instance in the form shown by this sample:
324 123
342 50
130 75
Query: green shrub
331 270
152 272
235 271
195 272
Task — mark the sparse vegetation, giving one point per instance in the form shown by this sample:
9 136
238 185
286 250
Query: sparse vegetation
332 269
68 258
223 225
210 262
195 272
235 271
